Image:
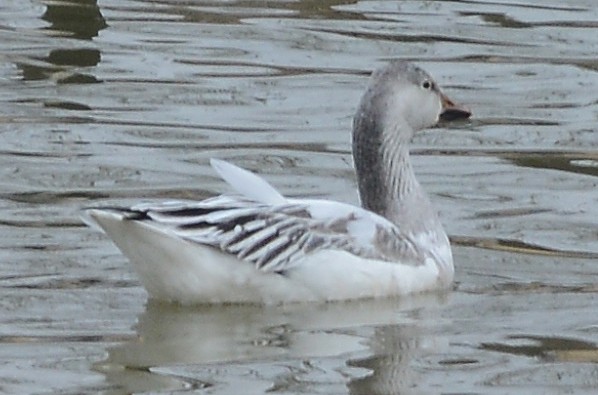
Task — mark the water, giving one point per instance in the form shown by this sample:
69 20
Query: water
127 100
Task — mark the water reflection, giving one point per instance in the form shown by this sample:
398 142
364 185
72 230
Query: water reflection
57 66
379 337
500 19
390 362
77 19
580 162
549 348
238 10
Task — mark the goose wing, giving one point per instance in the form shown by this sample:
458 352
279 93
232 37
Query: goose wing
275 237
263 227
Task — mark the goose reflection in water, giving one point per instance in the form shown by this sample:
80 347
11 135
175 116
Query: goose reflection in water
371 343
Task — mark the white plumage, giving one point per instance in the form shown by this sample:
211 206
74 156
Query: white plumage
260 247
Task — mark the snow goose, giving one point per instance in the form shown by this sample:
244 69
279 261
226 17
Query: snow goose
257 246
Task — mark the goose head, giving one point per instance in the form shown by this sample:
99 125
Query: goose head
403 98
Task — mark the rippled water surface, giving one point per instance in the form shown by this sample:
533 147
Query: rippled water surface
127 100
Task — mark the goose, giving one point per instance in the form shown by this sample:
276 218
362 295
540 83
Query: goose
257 246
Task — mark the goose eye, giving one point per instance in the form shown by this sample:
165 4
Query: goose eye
427 85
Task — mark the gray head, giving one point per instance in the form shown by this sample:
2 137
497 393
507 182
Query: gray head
403 98
400 99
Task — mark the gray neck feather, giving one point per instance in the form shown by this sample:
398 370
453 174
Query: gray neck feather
397 172
385 176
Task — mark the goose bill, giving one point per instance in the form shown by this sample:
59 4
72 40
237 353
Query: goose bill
452 111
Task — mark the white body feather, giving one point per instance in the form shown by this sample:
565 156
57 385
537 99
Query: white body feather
177 270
